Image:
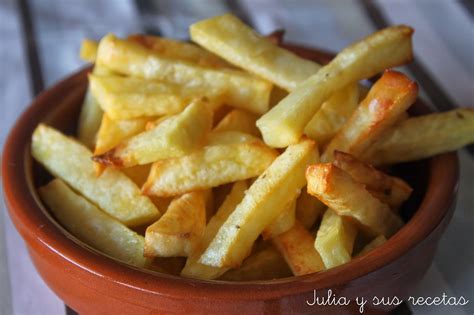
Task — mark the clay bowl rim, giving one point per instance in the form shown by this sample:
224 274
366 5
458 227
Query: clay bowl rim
38 229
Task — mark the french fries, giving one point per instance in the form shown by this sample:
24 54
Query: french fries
113 192
88 50
284 123
234 41
265 264
391 190
128 98
194 269
296 246
91 225
208 167
335 239
239 88
424 136
340 192
387 100
308 209
176 136
179 230
229 137
282 223
239 120
333 114
262 204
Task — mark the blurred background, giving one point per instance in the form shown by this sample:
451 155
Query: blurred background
39 45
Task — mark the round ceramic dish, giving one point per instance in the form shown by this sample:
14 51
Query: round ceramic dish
90 282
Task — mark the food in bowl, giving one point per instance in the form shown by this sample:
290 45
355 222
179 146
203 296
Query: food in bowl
194 146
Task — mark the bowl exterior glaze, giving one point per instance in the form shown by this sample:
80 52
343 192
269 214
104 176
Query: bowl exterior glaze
93 283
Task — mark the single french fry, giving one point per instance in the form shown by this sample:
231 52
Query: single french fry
238 88
180 228
179 50
308 209
376 242
237 43
208 167
194 269
129 98
333 114
113 191
282 223
424 136
229 137
340 192
92 226
88 50
391 190
297 247
265 264
262 204
335 239
387 100
239 120
176 136
284 123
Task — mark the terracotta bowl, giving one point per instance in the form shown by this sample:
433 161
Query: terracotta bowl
90 282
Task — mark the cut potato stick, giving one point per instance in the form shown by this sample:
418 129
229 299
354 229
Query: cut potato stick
262 204
179 50
391 190
229 137
240 89
239 120
237 43
113 191
297 247
333 114
196 270
265 264
386 102
176 136
424 136
376 242
180 229
282 223
128 98
340 192
209 167
88 50
335 239
284 123
308 209
92 226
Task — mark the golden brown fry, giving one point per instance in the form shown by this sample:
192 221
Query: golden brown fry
235 87
424 136
262 204
335 239
297 247
265 264
209 167
179 230
194 269
376 242
391 190
239 120
387 100
176 136
333 114
88 50
340 192
91 225
284 123
229 137
113 191
282 223
308 209
234 41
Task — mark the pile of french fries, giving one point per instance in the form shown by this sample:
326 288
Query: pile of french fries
235 159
